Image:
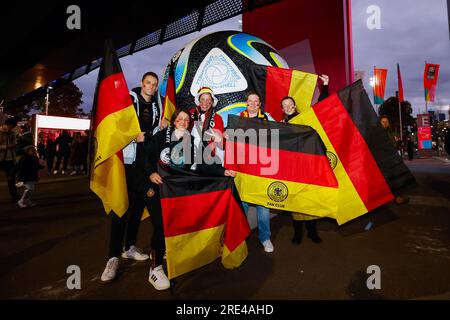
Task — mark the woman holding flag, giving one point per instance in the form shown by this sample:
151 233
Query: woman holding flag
290 111
172 150
263 214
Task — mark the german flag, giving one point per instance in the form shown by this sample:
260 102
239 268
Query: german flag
273 84
367 166
203 220
115 125
281 166
169 105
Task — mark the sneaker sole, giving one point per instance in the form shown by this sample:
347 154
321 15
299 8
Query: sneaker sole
124 256
160 288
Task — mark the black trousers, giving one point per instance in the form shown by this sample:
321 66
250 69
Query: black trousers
10 172
124 230
50 157
62 156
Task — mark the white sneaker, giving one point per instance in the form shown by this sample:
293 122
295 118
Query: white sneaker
73 173
22 204
63 172
135 254
268 246
55 172
110 271
19 184
158 278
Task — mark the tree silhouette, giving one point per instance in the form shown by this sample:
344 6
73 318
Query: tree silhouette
390 109
63 101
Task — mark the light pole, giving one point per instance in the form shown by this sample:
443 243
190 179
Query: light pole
47 102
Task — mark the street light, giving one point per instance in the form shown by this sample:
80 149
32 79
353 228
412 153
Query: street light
47 102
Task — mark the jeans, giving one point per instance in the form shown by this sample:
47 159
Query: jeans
263 216
28 192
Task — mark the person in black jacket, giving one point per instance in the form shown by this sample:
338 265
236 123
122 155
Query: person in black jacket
290 111
124 230
50 152
63 151
28 169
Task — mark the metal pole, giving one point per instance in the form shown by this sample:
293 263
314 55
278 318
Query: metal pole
401 123
46 102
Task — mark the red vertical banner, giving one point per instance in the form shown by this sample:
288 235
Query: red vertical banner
430 78
400 85
379 85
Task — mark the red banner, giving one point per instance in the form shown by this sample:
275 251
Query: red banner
400 85
379 85
430 78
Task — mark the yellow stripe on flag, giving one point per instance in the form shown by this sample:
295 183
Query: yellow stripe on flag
349 204
302 89
169 109
231 260
193 250
108 182
305 198
115 132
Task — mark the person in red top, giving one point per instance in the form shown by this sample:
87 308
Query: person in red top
206 126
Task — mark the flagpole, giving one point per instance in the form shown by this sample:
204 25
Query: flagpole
401 123
426 101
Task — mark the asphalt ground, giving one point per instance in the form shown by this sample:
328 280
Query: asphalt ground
410 243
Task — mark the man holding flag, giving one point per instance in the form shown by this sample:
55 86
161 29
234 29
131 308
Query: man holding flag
122 123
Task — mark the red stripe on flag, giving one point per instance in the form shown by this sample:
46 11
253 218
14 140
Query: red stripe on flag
113 96
182 215
237 227
351 149
292 166
278 82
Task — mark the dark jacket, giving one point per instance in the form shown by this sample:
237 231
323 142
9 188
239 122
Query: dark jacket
23 140
63 143
28 168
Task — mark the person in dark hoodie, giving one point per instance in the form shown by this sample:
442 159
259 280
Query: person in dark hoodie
28 169
290 111
124 230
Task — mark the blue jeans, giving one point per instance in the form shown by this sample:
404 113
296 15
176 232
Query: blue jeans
263 215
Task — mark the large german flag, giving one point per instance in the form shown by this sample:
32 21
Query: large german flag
115 125
367 166
281 166
273 84
203 220
169 105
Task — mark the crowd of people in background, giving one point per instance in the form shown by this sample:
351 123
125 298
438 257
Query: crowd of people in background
21 160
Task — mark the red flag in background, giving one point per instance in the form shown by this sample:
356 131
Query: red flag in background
430 78
400 84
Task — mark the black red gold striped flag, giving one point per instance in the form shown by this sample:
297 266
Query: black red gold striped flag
273 84
281 166
115 125
369 170
203 220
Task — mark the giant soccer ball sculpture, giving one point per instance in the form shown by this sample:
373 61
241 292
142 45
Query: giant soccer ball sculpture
220 61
